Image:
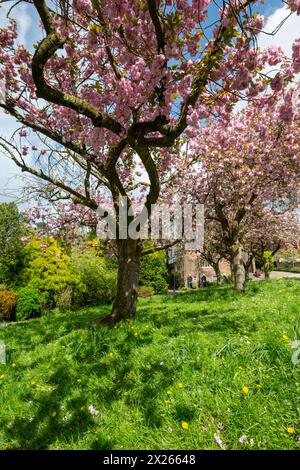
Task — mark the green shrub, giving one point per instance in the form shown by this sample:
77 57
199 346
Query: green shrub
154 273
98 280
30 303
65 299
268 258
145 291
8 302
48 268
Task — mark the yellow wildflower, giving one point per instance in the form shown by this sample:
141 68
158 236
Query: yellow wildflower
285 337
185 425
33 382
291 430
245 390
2 377
180 385
14 365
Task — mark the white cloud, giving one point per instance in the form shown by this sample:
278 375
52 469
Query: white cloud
286 35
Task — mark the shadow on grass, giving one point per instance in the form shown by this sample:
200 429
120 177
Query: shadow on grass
43 429
135 383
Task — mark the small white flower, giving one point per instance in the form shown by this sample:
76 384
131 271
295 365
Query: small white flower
219 442
251 441
242 439
93 411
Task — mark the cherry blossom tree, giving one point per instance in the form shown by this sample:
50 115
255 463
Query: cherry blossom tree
112 87
240 168
270 232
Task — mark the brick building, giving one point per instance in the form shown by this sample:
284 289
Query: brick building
186 268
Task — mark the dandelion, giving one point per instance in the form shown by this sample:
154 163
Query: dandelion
14 365
180 385
291 430
33 382
185 425
93 411
245 390
53 414
218 440
243 439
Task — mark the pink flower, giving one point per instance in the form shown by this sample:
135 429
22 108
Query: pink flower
23 133
294 5
277 82
296 56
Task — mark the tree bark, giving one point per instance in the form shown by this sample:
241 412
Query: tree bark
218 273
239 272
129 260
267 270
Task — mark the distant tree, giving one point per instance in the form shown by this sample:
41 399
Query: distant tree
10 241
268 233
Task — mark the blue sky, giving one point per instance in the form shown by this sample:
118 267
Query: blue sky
10 178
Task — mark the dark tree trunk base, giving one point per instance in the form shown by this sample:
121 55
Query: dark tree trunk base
124 306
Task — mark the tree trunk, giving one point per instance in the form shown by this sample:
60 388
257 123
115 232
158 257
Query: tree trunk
267 270
218 273
247 268
129 260
239 272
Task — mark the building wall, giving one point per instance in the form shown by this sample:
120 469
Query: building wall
187 265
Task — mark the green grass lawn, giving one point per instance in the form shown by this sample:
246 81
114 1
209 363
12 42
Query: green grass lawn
213 362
